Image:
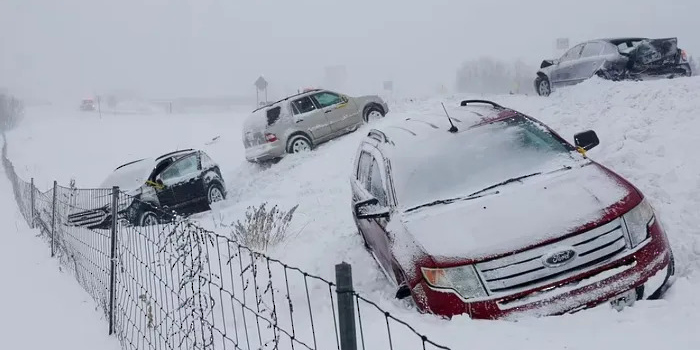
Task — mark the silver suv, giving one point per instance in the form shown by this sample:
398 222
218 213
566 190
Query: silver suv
301 122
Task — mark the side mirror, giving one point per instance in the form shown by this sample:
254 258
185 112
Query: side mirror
586 140
370 209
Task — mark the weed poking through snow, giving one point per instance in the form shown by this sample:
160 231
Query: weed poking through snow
263 228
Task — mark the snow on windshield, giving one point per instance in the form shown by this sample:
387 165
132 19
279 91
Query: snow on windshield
130 176
458 165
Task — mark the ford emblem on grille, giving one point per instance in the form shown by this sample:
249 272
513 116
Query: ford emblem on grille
559 257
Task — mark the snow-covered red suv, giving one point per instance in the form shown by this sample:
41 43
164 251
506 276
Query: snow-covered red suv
495 215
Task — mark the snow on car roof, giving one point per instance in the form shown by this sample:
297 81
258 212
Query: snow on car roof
130 175
177 153
436 124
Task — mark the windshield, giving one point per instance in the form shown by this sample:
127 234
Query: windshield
131 176
459 165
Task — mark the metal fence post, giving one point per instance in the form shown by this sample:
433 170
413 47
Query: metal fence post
113 257
31 195
346 306
53 216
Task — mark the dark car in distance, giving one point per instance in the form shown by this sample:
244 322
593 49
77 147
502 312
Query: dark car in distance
184 182
614 59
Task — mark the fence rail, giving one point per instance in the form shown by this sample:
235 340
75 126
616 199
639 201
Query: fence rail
175 285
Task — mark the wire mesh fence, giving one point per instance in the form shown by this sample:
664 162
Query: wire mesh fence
164 282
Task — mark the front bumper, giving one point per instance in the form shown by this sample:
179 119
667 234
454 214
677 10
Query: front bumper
645 270
266 151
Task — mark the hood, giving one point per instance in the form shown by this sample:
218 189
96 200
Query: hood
521 215
130 176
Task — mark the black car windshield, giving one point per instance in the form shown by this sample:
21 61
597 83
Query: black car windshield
458 165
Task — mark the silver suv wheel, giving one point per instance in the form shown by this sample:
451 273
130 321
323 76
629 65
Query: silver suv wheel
299 144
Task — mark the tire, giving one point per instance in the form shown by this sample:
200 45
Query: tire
147 218
372 112
298 144
542 86
658 294
215 193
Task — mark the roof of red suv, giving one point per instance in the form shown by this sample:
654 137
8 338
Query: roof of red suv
431 124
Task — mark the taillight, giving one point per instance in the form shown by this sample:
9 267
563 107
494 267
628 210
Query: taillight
270 137
683 55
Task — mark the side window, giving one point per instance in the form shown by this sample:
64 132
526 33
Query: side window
363 169
592 49
183 167
205 161
303 105
326 99
572 54
273 114
376 184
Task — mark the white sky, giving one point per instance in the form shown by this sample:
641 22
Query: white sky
166 48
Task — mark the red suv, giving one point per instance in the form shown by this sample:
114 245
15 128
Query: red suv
490 213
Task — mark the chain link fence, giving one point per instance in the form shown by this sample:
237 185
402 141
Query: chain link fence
175 285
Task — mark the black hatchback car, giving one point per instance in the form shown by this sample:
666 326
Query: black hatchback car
614 59
184 182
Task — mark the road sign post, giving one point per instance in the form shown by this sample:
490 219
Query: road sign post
260 85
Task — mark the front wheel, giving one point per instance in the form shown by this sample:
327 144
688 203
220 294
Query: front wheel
147 218
215 194
543 86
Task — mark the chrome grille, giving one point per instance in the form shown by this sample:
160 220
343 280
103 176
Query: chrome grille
87 218
524 270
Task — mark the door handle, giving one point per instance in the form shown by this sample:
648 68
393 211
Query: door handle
328 111
299 120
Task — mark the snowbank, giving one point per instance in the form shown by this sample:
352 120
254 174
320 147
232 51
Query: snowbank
647 133
42 308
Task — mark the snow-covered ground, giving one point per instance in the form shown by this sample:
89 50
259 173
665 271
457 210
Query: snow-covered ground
41 307
647 133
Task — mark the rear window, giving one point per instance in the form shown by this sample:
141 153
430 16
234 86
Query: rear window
273 115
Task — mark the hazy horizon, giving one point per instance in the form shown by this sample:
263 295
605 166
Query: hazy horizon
161 48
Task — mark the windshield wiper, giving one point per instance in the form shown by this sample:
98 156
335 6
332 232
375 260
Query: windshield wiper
480 193
446 201
511 180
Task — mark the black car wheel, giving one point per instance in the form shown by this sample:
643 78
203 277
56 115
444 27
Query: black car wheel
372 113
543 86
148 218
215 193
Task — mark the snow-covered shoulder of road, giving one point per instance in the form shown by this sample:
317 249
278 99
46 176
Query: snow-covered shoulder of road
41 307
648 134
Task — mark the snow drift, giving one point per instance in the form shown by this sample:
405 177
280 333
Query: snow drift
647 133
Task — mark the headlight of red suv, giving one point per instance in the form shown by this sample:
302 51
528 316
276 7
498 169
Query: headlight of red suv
461 279
639 221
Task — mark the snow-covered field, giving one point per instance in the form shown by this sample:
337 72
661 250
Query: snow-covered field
647 133
41 308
